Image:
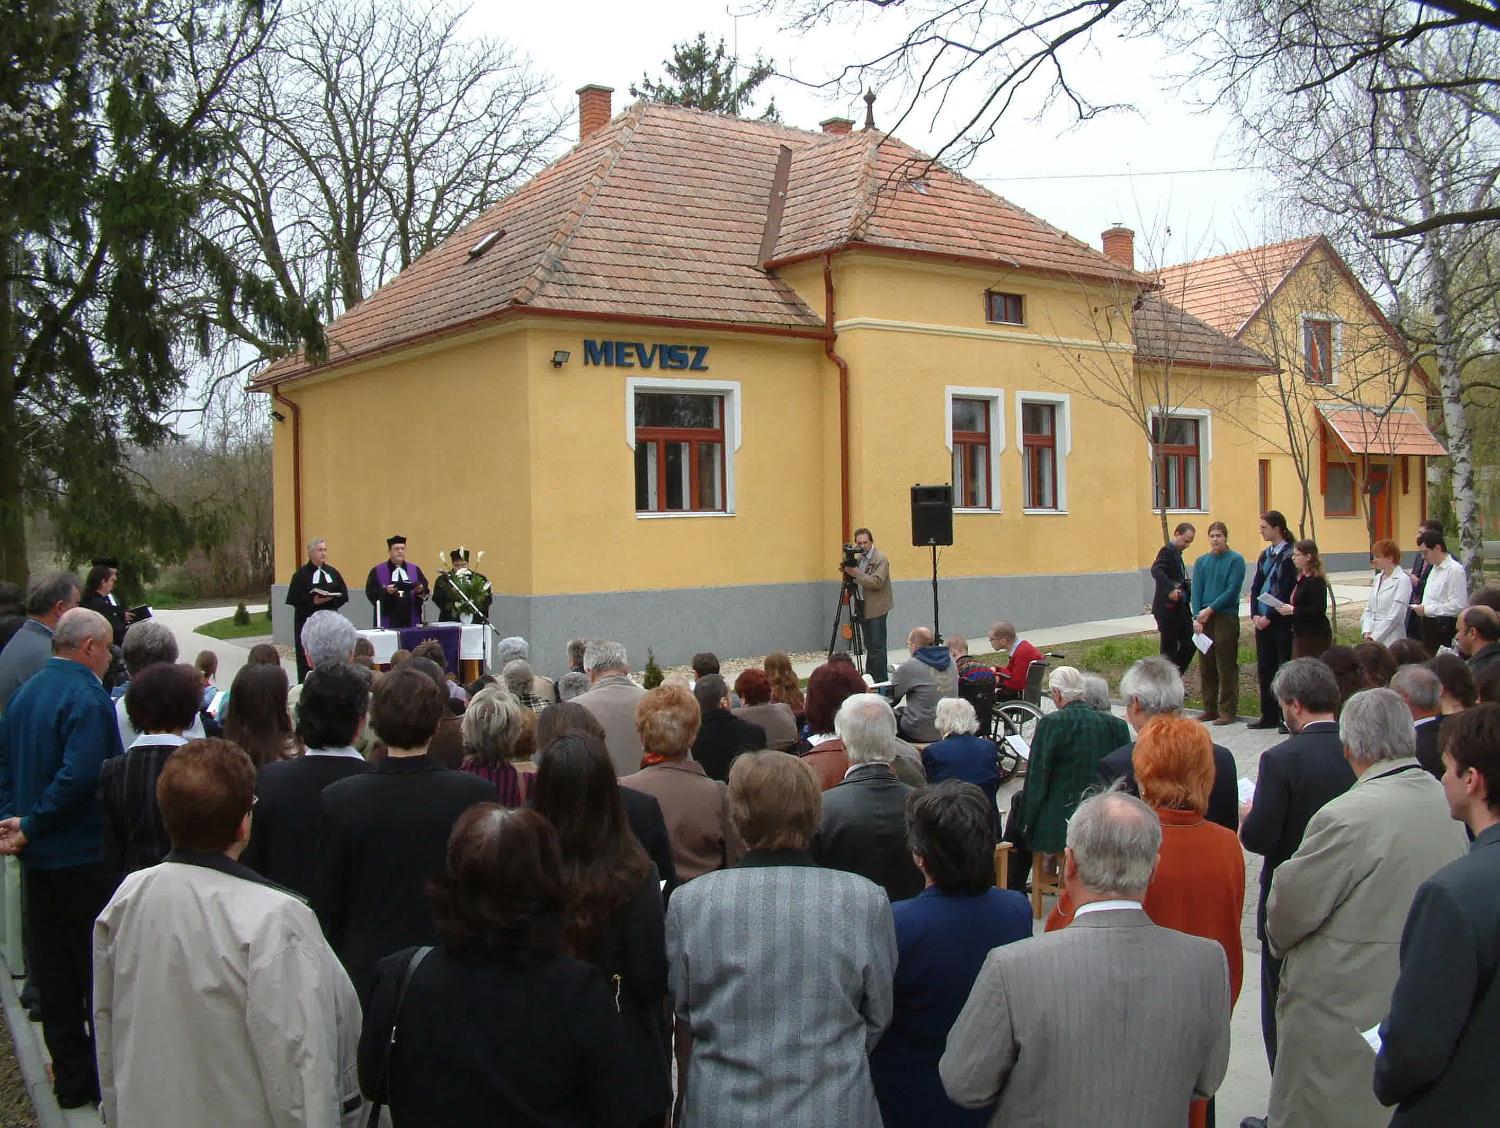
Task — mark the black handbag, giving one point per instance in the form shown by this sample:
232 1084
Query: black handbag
382 1094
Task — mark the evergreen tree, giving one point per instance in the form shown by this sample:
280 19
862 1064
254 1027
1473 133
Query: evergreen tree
109 286
705 78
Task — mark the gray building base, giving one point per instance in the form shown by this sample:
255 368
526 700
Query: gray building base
754 619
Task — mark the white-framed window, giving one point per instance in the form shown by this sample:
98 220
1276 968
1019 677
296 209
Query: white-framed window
1322 347
1044 434
1181 450
685 434
974 423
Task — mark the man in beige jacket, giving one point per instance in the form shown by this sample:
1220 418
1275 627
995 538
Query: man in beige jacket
216 998
874 579
1336 911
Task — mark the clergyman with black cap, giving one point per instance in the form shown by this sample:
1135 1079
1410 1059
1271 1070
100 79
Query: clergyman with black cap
396 588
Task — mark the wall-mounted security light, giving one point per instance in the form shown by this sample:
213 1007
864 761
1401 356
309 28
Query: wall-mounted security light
276 415
560 358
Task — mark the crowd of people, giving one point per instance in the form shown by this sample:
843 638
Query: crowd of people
378 893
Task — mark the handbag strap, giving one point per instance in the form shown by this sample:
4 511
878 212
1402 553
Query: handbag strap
413 961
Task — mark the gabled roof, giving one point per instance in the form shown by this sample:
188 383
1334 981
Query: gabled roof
661 215
1166 333
1227 291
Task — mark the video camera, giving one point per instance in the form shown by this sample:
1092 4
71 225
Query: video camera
851 557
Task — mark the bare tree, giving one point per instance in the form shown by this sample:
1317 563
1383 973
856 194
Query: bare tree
1358 162
365 132
968 63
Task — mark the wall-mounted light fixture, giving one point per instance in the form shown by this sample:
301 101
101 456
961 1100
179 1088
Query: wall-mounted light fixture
560 358
276 415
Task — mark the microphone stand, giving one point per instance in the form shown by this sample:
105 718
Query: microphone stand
480 616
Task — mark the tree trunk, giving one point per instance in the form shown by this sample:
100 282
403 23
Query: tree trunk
1456 422
12 510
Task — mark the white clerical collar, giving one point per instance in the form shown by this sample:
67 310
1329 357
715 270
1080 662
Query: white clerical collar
1105 906
113 602
158 740
398 572
320 576
346 751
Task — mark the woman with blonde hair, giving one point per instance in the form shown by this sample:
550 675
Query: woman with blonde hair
1199 884
498 731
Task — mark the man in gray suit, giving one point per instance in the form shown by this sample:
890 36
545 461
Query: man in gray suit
1112 987
612 698
30 647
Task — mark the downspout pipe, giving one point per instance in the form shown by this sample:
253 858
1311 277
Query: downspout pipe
830 340
296 411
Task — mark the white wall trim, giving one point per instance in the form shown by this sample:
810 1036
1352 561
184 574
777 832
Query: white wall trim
889 326
1205 453
1064 423
995 397
733 432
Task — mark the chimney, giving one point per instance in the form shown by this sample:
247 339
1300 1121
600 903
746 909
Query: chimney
837 125
1119 246
595 108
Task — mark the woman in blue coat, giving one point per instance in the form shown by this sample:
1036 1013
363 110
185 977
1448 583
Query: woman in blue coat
942 937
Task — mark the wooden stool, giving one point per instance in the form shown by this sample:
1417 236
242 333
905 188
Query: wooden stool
1002 865
1043 883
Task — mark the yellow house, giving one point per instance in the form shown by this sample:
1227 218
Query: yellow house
1343 438
664 382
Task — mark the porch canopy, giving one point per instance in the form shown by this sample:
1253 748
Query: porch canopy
1363 430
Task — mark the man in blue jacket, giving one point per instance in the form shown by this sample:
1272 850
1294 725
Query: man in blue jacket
56 733
1218 576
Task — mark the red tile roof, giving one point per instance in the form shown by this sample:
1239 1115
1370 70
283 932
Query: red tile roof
661 215
1163 332
1228 290
1366 431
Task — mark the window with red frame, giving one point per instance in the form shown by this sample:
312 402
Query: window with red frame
1338 479
1039 454
679 453
1007 309
1317 350
1177 464
971 454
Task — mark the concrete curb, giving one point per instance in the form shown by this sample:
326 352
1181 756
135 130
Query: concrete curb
31 1055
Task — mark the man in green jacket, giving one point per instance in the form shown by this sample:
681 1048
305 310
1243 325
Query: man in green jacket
1218 576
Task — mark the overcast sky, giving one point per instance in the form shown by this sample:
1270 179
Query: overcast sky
1141 167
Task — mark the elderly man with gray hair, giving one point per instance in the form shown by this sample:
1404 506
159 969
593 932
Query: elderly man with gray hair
863 829
315 587
612 698
28 650
1065 754
1422 691
1337 909
1112 987
56 734
1153 687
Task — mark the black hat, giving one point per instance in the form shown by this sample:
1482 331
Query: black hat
458 554
397 539
107 562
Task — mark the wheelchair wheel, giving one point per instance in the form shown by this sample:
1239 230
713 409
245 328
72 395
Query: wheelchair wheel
1014 718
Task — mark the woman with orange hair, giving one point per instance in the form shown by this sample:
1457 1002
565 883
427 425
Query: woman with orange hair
1199 885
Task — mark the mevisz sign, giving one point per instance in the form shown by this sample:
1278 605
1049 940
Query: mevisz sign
635 354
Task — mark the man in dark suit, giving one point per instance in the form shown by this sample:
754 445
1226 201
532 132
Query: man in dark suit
1294 779
1478 639
864 818
1169 603
385 832
288 794
722 736
1420 688
1437 1056
1419 570
316 586
1153 688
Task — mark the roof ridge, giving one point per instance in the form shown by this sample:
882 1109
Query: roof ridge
1240 253
549 259
867 192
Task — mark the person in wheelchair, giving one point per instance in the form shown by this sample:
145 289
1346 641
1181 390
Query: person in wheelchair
1020 655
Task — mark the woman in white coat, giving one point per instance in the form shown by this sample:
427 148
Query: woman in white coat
1384 620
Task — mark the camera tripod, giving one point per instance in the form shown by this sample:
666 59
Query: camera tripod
854 629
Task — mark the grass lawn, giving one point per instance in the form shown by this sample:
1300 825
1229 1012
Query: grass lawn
259 624
1111 657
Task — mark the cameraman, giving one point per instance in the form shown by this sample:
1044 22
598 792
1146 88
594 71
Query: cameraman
873 575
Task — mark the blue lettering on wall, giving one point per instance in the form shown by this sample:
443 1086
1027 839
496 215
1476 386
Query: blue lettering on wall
632 354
